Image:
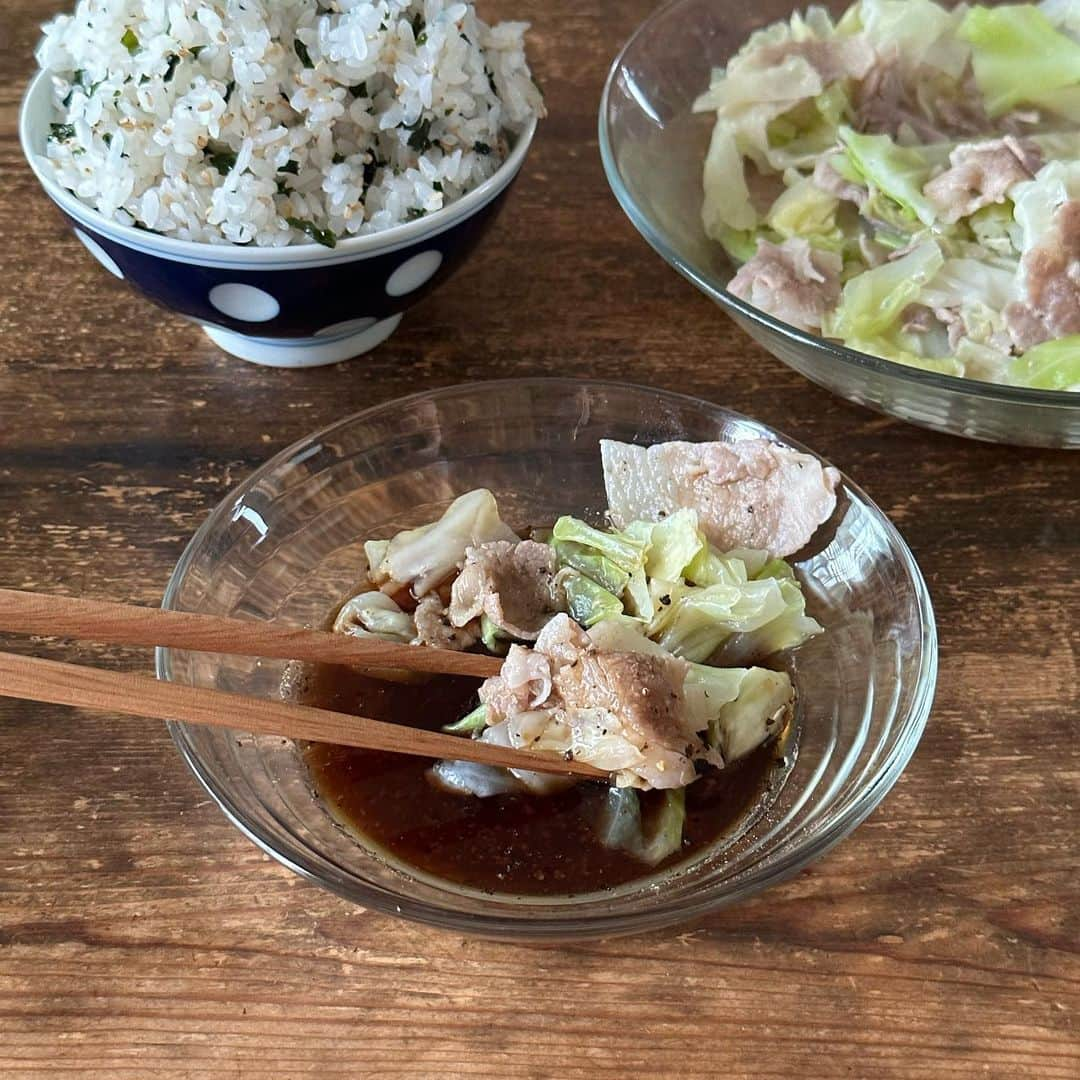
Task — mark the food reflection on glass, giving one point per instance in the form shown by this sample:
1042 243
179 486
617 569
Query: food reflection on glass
651 647
907 181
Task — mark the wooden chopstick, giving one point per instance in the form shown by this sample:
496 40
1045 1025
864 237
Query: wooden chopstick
138 695
127 624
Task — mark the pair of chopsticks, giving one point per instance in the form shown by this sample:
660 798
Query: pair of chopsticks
136 695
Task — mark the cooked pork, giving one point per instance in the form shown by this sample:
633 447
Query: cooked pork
619 711
791 281
750 494
433 626
513 584
980 174
892 99
832 183
1051 275
836 58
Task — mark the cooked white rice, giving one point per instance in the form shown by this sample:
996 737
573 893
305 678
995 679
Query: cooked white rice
280 122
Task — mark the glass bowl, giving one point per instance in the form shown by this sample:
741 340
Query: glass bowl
653 149
285 545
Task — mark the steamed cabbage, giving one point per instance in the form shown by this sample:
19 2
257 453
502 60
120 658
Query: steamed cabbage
425 557
932 149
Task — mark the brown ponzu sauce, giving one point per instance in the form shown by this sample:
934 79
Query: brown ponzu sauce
540 845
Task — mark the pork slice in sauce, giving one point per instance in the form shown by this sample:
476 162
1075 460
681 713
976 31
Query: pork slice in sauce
513 584
619 711
434 627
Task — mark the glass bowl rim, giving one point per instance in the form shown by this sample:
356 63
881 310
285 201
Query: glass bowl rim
957 384
567 922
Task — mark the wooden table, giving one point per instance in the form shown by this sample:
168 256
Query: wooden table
142 936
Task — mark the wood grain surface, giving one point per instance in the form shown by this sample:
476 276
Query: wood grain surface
142 936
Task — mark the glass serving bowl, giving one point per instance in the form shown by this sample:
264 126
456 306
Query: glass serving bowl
653 149
285 545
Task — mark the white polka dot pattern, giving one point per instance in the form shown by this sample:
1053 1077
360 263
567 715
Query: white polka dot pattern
100 254
413 273
244 302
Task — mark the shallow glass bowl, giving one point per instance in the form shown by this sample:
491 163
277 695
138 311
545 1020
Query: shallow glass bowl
285 545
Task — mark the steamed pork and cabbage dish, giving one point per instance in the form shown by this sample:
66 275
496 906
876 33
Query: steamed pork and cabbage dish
906 181
650 645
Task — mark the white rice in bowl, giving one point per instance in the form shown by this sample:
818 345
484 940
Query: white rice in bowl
275 122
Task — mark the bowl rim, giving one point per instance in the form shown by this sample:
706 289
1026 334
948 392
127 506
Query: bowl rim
568 923
734 305
237 256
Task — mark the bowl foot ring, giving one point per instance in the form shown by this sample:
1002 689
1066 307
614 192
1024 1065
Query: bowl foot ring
328 347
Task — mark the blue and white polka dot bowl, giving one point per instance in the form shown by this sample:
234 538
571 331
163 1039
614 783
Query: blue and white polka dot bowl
298 306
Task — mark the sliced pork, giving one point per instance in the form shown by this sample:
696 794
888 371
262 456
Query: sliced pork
513 584
622 712
751 493
1050 307
980 174
834 58
791 281
433 626
892 99
832 183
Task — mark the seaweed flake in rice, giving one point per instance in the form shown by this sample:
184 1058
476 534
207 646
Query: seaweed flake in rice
280 123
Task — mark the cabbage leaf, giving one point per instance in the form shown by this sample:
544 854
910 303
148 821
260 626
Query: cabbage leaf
588 602
471 723
697 620
872 301
621 827
898 172
1018 56
671 545
742 725
727 205
592 564
1053 365
425 557
788 630
374 614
